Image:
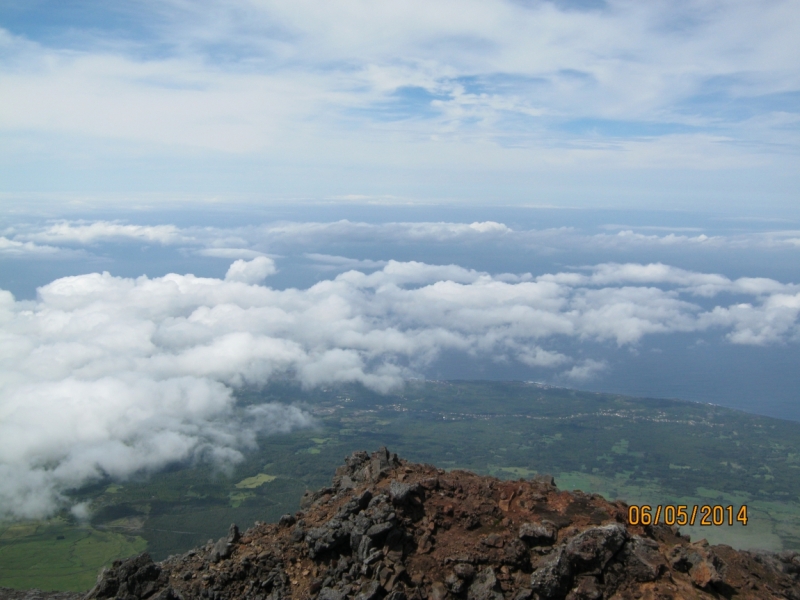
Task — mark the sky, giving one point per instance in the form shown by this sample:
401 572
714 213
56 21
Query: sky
690 104
203 196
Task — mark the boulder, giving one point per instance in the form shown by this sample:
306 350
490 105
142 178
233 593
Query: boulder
538 534
484 586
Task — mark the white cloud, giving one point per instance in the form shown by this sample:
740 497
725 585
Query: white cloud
251 271
67 232
242 253
489 227
774 320
14 248
691 282
105 375
534 356
329 261
586 370
244 243
312 81
303 232
630 237
313 239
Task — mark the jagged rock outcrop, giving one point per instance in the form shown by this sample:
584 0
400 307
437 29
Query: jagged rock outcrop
387 529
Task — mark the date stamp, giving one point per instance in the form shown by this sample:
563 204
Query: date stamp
706 515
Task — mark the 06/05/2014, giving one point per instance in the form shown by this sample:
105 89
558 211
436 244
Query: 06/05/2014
681 514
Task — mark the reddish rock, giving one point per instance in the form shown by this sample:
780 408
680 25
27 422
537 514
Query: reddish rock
391 530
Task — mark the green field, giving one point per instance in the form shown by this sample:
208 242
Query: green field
57 555
639 450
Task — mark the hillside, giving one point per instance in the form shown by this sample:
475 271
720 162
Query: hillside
387 528
645 451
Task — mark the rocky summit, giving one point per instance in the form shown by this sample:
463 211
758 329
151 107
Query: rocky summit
390 529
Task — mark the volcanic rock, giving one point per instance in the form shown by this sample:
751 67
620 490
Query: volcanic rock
388 529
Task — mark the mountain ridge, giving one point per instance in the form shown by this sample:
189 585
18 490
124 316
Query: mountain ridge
389 529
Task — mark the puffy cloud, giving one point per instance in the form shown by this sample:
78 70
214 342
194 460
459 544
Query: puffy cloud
774 320
251 271
109 376
585 371
60 433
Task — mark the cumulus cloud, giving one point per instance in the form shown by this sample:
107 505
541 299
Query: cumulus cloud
109 376
251 271
60 433
586 370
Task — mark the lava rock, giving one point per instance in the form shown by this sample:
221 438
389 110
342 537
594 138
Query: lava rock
484 586
391 530
538 534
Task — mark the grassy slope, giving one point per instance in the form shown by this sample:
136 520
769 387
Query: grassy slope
57 555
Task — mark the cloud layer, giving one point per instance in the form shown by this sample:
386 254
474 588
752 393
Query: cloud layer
70 237
66 232
105 375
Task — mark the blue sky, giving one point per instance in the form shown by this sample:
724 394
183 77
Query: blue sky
661 104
